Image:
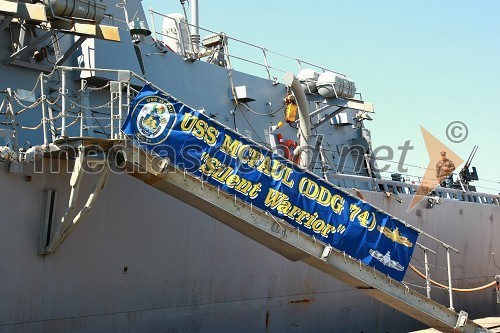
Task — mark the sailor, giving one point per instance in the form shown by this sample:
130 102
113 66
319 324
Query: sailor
444 171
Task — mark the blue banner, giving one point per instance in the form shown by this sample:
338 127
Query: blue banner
195 143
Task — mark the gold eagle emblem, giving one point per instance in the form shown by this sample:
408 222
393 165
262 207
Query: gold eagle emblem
395 236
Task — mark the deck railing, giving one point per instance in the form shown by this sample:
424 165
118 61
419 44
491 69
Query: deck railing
270 64
397 187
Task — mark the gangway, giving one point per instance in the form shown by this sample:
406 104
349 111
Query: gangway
255 223
282 238
268 230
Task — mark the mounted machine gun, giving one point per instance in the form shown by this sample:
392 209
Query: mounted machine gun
465 176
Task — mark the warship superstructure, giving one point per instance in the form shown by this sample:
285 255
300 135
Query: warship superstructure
101 235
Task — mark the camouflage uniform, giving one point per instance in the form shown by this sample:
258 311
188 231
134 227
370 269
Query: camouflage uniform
444 169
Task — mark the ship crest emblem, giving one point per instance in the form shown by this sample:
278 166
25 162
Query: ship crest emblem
386 260
153 119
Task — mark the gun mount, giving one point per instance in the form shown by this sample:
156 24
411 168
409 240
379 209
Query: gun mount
465 176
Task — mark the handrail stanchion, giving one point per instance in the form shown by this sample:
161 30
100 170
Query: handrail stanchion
112 113
44 120
427 275
300 64
121 115
63 103
266 63
427 271
82 103
153 28
449 277
120 105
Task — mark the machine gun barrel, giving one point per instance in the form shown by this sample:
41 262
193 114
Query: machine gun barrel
471 156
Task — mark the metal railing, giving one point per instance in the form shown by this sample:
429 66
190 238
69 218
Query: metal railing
254 54
396 187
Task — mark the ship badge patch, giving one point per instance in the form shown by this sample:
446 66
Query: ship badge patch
154 117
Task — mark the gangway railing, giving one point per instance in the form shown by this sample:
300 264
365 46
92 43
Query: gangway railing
293 244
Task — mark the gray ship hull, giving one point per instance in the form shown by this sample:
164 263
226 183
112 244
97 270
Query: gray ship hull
144 261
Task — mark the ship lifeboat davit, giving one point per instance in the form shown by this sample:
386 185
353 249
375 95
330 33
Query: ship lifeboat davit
308 78
333 85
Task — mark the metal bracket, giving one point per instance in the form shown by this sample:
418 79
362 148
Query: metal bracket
34 43
326 252
67 225
328 117
462 319
71 50
48 207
